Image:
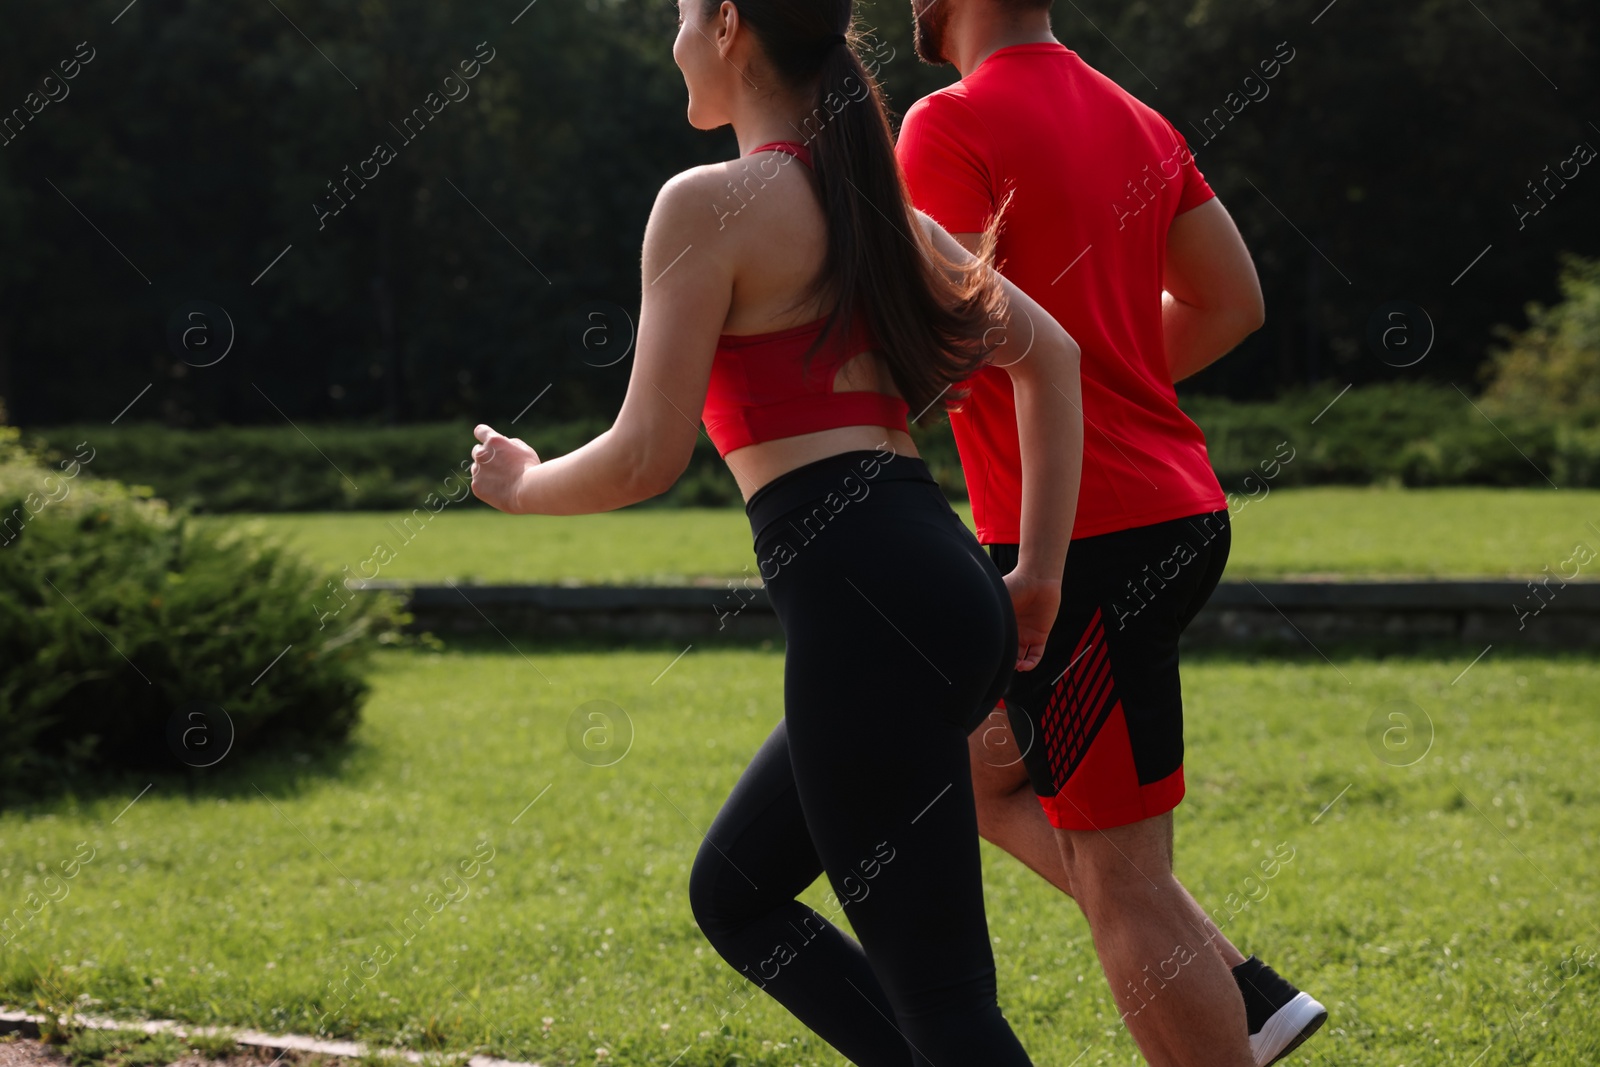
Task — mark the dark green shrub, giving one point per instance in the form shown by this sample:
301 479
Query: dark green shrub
1413 433
332 468
379 468
936 445
122 620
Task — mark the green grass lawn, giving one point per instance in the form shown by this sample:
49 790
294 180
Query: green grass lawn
1326 531
1434 907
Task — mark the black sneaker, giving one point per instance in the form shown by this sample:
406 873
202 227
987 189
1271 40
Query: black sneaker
1279 1015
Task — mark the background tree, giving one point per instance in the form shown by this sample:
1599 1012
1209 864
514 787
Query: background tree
1390 159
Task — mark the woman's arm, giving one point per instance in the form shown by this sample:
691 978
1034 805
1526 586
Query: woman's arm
687 287
1042 359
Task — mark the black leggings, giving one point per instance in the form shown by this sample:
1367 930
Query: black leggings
900 638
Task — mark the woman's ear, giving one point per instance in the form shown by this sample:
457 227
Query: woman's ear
728 26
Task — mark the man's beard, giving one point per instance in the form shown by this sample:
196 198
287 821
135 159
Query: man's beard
927 32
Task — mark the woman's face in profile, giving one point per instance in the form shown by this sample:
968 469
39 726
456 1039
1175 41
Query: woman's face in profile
705 69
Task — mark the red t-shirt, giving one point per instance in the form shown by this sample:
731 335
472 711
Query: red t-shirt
1097 177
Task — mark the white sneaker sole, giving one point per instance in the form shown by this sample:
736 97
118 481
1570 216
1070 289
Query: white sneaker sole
1289 1026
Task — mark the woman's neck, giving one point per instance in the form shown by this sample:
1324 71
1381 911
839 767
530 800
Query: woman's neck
771 120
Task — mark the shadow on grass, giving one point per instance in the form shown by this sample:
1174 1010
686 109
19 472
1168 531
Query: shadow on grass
276 770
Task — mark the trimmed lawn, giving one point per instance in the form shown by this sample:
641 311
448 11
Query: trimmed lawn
1342 532
1433 896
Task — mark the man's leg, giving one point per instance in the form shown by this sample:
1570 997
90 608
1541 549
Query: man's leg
1098 727
1177 996
1010 818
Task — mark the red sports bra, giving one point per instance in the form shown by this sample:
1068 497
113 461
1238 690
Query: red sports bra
758 393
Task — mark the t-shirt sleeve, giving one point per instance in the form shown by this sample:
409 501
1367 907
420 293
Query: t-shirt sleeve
1196 190
942 152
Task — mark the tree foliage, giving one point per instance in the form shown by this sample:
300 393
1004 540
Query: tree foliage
1552 369
185 162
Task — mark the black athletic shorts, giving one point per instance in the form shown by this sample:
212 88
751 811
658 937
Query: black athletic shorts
1100 720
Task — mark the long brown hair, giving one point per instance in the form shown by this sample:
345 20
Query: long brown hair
930 328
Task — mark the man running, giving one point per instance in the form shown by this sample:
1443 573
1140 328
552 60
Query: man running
1111 227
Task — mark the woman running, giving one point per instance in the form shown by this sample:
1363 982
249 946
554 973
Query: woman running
793 299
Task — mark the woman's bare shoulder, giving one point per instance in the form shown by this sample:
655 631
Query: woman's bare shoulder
744 205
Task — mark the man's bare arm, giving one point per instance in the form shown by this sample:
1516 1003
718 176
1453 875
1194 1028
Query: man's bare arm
1213 297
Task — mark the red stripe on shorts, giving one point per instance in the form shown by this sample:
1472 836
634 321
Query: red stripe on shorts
1080 702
